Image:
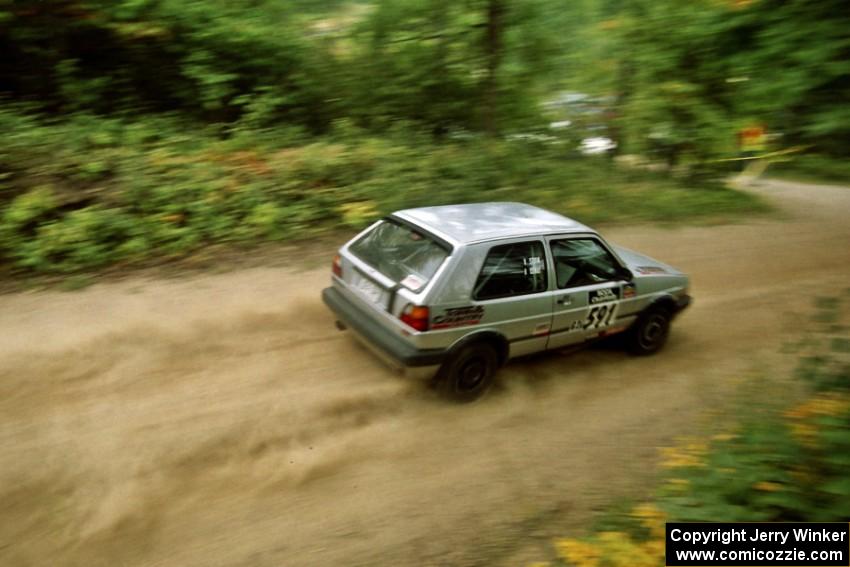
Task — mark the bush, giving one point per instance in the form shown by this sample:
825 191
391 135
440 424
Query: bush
82 239
90 191
775 464
812 167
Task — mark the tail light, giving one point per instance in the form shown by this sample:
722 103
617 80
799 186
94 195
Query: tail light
416 316
336 267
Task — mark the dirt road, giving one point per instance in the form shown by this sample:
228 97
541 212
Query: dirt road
222 420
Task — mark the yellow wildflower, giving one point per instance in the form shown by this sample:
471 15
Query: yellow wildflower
656 547
650 517
357 213
618 550
684 456
582 554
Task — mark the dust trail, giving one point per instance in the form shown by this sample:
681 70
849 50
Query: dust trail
222 421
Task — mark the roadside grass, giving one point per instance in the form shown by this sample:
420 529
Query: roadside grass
768 458
76 282
812 168
87 193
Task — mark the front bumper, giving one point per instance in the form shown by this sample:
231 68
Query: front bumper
389 346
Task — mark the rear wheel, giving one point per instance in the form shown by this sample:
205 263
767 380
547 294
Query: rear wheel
650 332
468 373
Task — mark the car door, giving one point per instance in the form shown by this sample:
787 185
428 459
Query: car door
589 289
512 294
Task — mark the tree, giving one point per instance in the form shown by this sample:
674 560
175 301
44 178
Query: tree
688 74
494 47
446 64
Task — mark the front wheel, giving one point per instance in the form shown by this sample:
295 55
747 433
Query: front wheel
650 332
468 374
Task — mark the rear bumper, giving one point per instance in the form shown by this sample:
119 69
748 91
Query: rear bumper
385 343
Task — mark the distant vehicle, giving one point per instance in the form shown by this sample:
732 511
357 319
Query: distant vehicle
535 138
586 117
454 292
597 145
566 100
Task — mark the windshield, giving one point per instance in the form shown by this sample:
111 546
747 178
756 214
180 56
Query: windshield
401 253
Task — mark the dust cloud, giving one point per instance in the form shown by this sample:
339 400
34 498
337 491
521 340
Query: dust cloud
221 420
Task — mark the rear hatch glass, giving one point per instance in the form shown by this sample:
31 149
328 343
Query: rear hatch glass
403 254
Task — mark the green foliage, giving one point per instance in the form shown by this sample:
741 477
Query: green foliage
823 350
272 62
20 221
133 55
813 168
779 464
93 191
785 467
795 56
686 76
26 210
426 61
769 464
682 77
358 215
675 100
82 239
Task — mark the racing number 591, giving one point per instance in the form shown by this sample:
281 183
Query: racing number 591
600 316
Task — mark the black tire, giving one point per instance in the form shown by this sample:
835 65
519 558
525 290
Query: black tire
468 373
649 332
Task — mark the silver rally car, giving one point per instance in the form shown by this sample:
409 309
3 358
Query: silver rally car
454 292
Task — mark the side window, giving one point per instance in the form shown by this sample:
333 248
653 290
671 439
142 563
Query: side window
512 269
582 261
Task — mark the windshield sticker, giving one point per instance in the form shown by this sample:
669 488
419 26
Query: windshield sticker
602 295
651 270
412 282
533 265
458 317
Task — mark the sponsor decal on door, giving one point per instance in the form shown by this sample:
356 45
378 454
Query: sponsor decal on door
603 308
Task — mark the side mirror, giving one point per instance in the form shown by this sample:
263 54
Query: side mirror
625 274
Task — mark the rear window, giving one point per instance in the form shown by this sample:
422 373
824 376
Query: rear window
401 253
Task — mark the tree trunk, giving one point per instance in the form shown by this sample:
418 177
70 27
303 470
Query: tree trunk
493 52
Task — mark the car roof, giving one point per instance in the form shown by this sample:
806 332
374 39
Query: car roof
475 222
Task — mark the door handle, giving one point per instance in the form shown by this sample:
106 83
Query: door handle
563 300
